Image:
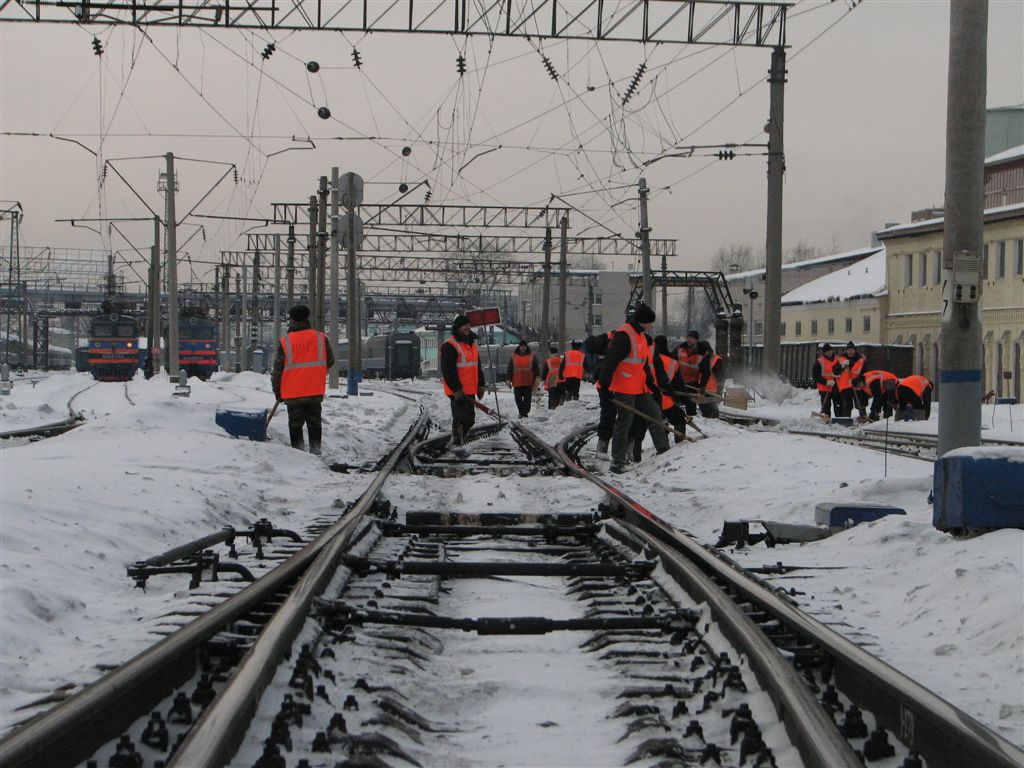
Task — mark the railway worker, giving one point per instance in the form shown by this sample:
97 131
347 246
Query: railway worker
523 372
847 368
553 382
880 386
825 379
462 376
598 346
914 393
670 379
571 371
711 380
628 377
689 362
299 378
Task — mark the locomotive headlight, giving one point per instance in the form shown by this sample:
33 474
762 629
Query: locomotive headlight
129 345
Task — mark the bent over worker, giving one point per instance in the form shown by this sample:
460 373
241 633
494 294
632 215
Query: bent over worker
299 378
462 376
628 376
523 372
914 393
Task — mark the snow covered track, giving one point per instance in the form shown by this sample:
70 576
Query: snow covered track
845 674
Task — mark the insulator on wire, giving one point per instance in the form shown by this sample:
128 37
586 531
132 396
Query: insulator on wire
634 83
357 60
460 64
726 154
97 46
549 67
268 51
235 171
313 67
403 187
323 113
426 197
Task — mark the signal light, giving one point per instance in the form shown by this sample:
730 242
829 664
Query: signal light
97 46
726 154
460 64
357 59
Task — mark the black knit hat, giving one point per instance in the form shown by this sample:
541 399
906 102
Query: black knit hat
299 312
523 343
694 334
459 321
826 347
643 314
553 349
577 344
850 345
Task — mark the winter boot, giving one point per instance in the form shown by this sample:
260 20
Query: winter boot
602 449
314 448
296 438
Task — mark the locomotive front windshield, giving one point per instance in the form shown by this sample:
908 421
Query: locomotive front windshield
126 330
197 332
103 330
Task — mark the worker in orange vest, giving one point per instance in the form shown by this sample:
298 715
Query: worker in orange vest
462 376
628 376
825 380
847 368
572 371
553 381
689 363
523 372
670 379
914 393
711 379
299 377
881 387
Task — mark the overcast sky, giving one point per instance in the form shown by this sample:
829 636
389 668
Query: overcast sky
865 114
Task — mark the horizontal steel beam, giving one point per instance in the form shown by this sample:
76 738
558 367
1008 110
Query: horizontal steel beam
424 215
695 22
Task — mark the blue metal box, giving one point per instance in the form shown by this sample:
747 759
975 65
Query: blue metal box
847 513
979 488
250 424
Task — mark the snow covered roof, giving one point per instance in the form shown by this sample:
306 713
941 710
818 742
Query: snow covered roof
844 256
1007 154
939 220
865 278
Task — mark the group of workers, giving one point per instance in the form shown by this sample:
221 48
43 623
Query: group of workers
844 383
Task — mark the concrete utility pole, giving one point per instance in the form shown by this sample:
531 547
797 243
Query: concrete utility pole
254 319
172 271
321 272
545 322
960 344
311 265
239 311
663 309
153 300
352 198
772 360
244 350
277 289
563 278
225 314
645 244
334 336
291 266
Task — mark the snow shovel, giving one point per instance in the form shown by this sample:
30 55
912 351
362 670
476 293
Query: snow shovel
272 412
481 407
648 419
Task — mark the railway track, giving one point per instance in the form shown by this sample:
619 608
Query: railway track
914 446
449 616
74 419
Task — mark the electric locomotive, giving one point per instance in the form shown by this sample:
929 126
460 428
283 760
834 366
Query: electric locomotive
197 344
113 345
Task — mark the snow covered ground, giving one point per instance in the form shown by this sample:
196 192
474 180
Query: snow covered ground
149 473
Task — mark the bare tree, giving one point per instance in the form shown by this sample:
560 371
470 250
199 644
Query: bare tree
735 258
802 251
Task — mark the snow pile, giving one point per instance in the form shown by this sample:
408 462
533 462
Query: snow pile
862 279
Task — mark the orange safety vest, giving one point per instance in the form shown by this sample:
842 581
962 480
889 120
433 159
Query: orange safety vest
573 364
916 384
712 385
880 376
671 366
689 363
826 372
629 377
305 364
845 375
522 370
553 379
467 365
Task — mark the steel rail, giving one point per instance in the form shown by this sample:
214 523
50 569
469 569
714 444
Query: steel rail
45 430
215 738
946 736
69 733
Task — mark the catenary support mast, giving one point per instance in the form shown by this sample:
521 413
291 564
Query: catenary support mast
773 244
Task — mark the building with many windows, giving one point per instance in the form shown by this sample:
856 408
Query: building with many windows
596 301
914 272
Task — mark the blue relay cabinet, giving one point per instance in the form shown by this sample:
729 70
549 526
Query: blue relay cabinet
250 424
979 488
849 513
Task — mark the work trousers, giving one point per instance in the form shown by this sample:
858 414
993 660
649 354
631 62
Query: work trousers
906 396
463 417
524 399
624 420
305 414
882 403
676 416
831 403
555 397
607 418
571 390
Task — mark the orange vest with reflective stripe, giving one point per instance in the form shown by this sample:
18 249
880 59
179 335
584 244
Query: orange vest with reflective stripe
689 363
916 384
671 366
629 377
305 364
467 365
552 379
880 376
573 364
522 370
826 372
712 385
846 374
